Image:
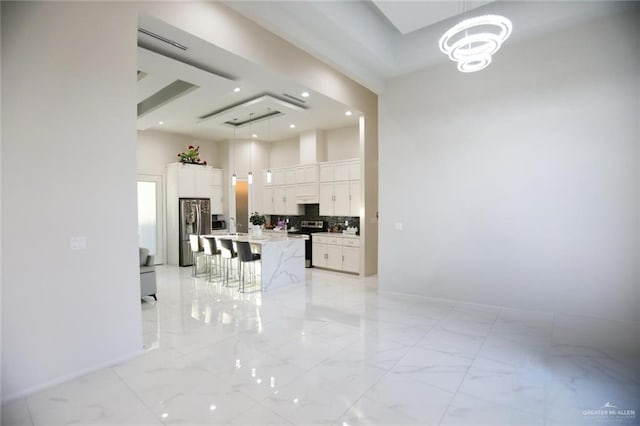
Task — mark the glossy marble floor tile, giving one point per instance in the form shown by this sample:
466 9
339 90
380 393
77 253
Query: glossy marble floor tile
334 351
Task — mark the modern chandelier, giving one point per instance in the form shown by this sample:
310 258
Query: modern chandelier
472 42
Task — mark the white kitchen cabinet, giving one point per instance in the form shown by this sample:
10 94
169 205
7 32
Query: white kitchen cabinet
186 181
334 257
307 184
278 176
342 204
284 201
195 181
327 256
326 199
354 170
351 259
319 255
291 206
337 252
354 198
339 189
326 172
335 199
279 200
307 174
340 170
217 177
290 176
217 202
268 200
203 181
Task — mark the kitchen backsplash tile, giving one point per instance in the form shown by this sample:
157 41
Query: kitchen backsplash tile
312 212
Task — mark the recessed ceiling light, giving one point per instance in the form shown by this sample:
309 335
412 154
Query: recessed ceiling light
254 135
304 94
237 89
292 126
348 113
161 122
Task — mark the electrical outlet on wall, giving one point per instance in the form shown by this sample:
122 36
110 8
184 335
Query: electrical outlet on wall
79 243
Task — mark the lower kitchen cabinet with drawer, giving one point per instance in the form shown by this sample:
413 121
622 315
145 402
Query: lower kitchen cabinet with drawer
337 252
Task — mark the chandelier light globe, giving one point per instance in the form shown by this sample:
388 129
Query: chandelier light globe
472 42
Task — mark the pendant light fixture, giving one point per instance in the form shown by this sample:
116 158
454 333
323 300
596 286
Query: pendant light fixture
269 176
472 42
234 178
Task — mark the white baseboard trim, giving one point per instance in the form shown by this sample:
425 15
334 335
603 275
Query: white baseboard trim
65 378
457 302
568 329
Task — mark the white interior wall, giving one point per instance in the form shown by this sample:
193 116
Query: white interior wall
285 153
518 185
343 143
156 149
0 220
247 155
68 169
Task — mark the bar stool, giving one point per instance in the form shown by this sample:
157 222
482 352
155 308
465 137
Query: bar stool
211 254
196 251
228 253
245 255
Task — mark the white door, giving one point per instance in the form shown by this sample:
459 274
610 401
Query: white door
151 215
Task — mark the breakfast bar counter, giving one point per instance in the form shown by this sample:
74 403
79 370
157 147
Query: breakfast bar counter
281 256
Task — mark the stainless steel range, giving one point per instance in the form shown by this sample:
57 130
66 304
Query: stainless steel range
308 227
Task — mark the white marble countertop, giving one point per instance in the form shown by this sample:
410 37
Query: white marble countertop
336 234
265 239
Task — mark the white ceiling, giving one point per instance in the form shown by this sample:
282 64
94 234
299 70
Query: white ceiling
368 40
371 41
216 73
409 16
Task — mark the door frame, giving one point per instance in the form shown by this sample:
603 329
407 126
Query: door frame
161 232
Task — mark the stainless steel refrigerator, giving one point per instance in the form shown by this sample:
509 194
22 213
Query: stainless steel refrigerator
195 218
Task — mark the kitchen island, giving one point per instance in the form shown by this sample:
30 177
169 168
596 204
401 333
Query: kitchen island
281 256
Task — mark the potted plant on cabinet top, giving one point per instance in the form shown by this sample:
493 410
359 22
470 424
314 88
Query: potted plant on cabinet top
257 221
191 156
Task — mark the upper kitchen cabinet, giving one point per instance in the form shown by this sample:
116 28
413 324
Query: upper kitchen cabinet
195 181
307 184
339 192
307 174
340 170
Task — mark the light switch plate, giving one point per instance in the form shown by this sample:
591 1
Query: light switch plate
79 243
399 226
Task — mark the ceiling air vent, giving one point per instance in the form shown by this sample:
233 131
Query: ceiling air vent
250 111
163 39
252 119
165 95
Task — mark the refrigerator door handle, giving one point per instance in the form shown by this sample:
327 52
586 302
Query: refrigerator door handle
198 218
